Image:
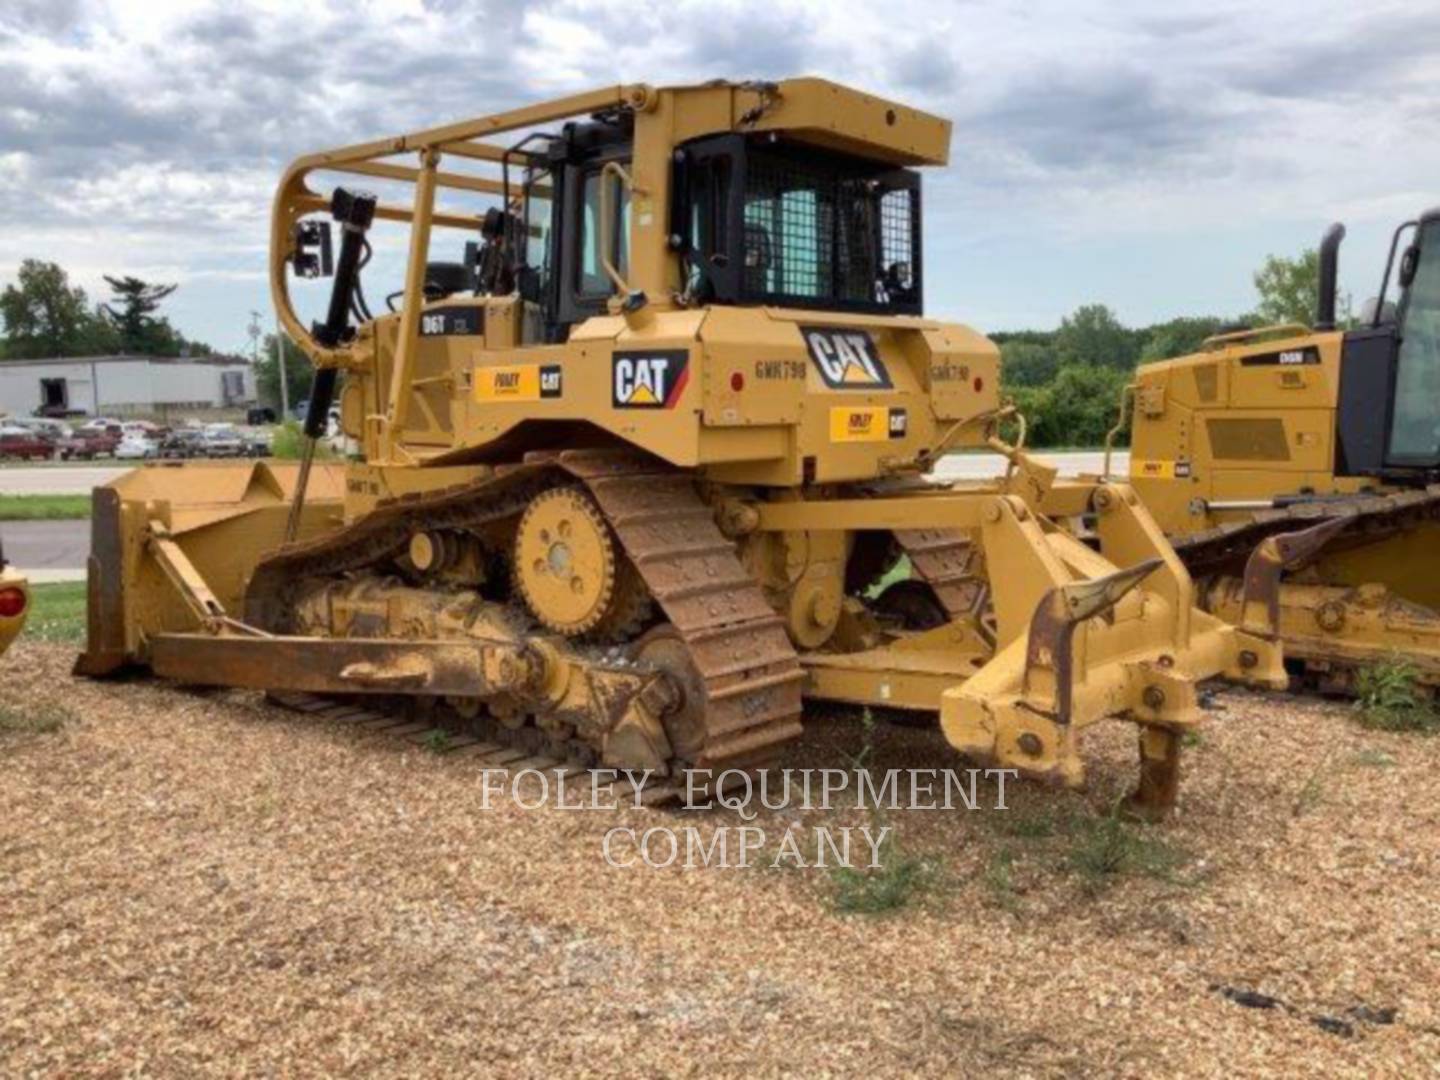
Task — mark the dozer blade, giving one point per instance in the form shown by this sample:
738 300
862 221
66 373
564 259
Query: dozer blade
160 529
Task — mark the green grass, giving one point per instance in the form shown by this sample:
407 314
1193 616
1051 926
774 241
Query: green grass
44 507
1389 698
899 572
1102 849
57 613
1373 759
1000 882
288 443
43 719
899 880
1032 824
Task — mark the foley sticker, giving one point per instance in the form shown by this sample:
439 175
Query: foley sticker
518 382
866 423
1161 469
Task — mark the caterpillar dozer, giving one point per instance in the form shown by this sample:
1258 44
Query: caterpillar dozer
631 471
1333 429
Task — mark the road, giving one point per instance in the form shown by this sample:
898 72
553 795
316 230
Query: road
56 550
79 479
55 479
47 551
1070 462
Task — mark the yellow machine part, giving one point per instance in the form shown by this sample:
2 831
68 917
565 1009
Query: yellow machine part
1219 435
222 516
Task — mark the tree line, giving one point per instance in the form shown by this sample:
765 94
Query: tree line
1067 382
45 316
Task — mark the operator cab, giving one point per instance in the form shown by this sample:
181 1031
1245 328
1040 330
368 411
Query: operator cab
754 219
1388 421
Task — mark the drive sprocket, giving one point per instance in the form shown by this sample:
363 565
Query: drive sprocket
567 562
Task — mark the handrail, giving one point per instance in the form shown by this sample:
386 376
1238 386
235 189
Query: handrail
605 232
1291 328
1127 394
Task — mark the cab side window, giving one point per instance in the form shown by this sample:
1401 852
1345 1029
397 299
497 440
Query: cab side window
592 279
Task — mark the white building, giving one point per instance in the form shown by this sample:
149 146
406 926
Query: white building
125 385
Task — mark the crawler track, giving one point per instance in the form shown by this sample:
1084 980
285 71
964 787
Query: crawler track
1373 518
749 677
945 559
1221 552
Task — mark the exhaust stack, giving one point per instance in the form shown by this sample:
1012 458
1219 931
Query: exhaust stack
1329 273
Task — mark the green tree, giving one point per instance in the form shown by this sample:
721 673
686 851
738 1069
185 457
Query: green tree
1288 288
298 373
1027 363
1077 409
1178 337
132 314
1093 336
46 316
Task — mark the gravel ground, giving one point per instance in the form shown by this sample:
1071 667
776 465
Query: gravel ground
208 884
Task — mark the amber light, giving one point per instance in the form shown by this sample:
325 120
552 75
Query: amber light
12 603
737 381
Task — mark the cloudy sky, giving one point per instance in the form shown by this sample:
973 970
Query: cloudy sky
1146 155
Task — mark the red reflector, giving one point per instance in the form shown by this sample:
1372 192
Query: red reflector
12 603
979 384
737 381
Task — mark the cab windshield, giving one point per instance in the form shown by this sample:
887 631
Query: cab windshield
1415 430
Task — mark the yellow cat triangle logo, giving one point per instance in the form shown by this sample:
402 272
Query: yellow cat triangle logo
643 395
854 373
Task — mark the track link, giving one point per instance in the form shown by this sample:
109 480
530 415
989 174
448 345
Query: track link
945 560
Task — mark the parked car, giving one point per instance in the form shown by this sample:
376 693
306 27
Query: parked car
136 448
222 440
183 443
258 443
18 442
49 427
142 428
90 441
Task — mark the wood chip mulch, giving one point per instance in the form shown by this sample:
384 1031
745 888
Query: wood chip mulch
205 883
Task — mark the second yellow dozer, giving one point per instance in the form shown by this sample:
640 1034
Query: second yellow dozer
1332 429
629 474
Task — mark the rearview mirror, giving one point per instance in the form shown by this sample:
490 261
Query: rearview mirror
1409 263
311 257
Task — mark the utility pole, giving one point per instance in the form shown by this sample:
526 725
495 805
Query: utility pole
280 363
254 331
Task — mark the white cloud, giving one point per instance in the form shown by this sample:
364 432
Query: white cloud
147 136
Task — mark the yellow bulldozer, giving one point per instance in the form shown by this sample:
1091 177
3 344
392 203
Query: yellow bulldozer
632 469
1336 429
